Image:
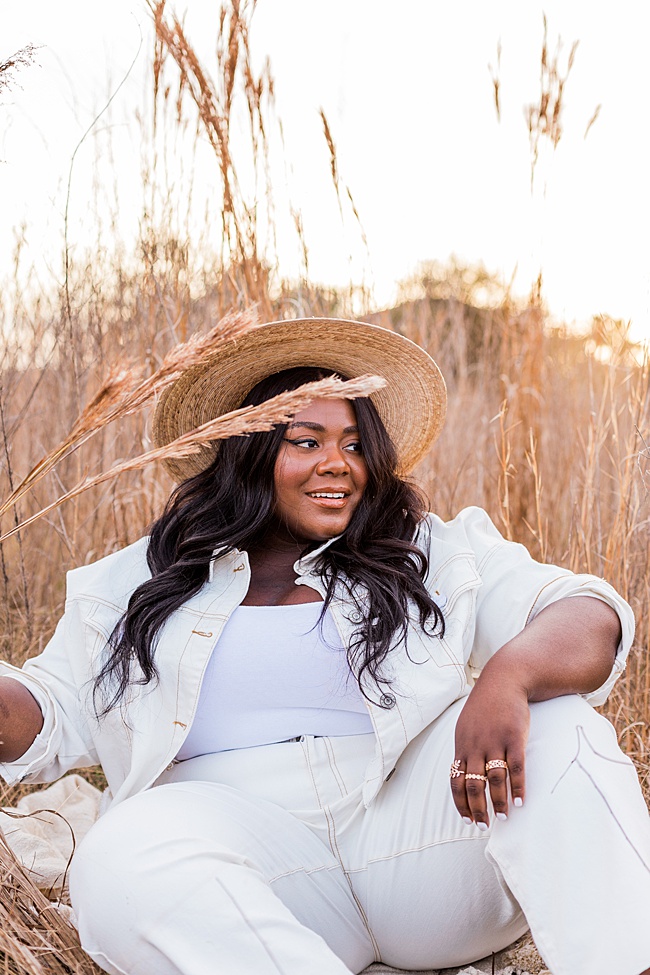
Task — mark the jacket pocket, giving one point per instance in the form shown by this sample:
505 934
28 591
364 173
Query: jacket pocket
451 578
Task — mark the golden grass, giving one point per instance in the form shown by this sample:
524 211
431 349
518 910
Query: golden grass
35 939
542 425
126 391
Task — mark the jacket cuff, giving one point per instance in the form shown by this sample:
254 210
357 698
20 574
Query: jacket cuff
14 772
609 595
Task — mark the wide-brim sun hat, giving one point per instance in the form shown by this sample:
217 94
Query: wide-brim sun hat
412 405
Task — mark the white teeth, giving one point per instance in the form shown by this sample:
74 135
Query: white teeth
324 494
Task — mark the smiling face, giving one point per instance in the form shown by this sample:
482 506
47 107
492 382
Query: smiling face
320 472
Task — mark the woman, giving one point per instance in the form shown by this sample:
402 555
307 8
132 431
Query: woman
278 685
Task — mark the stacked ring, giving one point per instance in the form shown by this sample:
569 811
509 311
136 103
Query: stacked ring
495 763
455 771
473 775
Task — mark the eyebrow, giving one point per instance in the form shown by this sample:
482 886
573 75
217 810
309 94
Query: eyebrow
319 427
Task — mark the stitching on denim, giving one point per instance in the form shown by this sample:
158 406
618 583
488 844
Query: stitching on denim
582 735
551 582
306 870
419 849
364 917
334 767
318 798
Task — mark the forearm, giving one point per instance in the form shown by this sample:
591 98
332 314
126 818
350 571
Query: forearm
20 719
569 648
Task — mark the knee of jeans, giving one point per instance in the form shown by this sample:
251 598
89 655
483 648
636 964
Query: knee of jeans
128 850
100 867
561 718
566 732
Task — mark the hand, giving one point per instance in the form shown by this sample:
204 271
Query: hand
493 724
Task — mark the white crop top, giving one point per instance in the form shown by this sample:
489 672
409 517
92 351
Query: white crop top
275 674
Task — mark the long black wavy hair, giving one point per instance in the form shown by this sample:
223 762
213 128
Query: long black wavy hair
231 505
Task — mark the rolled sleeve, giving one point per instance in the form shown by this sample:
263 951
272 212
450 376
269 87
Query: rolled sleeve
64 741
599 589
41 748
515 589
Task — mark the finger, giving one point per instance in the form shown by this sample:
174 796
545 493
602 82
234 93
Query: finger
475 783
517 773
457 783
498 787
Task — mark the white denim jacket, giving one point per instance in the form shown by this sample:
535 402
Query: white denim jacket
487 588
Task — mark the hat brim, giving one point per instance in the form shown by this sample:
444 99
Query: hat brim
412 405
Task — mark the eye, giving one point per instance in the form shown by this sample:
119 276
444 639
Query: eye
354 448
307 443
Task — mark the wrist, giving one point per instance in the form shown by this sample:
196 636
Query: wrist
509 670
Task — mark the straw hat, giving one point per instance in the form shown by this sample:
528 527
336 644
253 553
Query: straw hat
412 405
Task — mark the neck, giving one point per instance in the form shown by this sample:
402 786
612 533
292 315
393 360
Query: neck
272 573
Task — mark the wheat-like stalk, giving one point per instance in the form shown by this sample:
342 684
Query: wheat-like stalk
237 423
35 939
127 390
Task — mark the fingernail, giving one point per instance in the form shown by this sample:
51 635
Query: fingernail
501 815
467 820
518 801
482 826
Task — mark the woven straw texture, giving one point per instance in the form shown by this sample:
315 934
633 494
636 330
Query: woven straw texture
412 405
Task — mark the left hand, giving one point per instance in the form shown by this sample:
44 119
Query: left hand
493 724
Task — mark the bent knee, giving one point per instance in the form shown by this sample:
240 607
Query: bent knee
566 734
561 719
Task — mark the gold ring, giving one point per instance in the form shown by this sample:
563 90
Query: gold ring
495 763
455 771
473 775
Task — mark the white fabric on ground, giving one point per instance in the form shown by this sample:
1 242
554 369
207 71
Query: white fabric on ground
42 829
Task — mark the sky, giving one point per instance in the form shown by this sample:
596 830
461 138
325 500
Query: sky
408 94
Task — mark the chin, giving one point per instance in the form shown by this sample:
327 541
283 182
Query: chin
322 534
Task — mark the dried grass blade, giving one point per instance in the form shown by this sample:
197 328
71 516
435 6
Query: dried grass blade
238 423
34 938
125 391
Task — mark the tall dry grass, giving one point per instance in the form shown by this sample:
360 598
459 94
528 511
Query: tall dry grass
543 425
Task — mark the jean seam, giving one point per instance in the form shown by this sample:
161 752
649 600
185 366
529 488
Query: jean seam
357 901
420 849
334 767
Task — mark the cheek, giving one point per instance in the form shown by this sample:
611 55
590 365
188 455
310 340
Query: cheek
361 476
287 478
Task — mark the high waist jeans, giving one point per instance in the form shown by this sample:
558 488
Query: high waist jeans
265 861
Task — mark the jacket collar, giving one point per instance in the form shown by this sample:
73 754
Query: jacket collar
301 567
304 564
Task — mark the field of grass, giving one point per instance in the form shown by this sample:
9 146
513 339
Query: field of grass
545 427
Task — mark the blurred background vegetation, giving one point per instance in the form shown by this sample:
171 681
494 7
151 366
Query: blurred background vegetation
545 426
545 429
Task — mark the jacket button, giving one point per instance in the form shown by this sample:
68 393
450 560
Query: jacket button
387 701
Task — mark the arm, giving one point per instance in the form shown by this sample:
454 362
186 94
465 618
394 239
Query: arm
20 719
568 648
55 684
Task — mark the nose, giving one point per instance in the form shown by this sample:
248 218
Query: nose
334 460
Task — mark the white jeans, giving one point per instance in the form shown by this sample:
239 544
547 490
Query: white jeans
266 862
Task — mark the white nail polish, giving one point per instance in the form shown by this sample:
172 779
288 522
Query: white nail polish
467 820
518 801
501 815
482 826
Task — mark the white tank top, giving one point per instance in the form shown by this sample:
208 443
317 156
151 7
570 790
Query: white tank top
275 673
